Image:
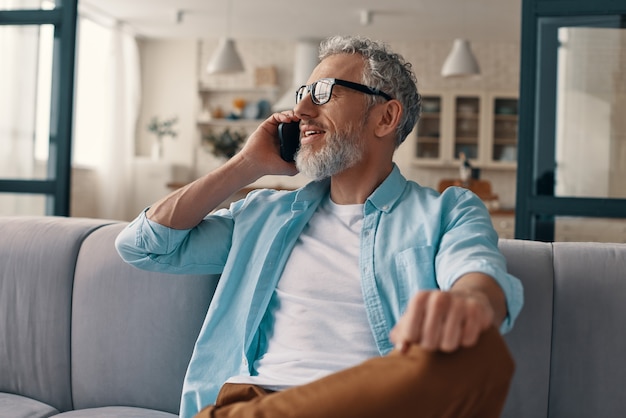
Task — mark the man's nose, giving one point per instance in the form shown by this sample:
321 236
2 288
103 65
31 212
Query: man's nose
305 108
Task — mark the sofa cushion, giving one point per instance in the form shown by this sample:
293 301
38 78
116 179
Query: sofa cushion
530 340
133 331
16 406
589 341
116 412
37 259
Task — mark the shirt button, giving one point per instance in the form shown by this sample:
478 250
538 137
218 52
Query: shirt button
385 207
244 360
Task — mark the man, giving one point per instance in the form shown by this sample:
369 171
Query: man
361 294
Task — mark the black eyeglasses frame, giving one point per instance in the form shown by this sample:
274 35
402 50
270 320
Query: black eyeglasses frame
305 89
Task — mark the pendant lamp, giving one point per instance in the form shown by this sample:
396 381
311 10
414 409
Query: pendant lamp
461 61
226 59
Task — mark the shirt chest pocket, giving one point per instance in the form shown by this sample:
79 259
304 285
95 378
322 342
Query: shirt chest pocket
415 271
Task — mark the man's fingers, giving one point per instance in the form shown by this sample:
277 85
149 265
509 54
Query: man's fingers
409 327
437 309
453 328
443 321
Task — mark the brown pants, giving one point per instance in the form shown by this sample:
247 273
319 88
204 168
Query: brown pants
471 382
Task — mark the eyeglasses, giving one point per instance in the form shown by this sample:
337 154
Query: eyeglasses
322 90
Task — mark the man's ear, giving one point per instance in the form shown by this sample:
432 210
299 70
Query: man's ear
389 114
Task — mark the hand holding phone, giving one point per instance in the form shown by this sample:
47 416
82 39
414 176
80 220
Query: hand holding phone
289 136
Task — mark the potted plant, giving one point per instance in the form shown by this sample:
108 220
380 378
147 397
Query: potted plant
161 129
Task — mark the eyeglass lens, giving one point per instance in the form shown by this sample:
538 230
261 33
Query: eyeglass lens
321 91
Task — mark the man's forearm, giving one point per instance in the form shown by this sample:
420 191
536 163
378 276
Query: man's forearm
187 206
482 284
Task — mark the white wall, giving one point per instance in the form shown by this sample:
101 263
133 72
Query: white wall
169 87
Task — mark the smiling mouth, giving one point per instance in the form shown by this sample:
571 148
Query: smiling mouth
311 133
311 129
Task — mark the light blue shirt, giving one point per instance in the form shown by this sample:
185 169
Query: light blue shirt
412 238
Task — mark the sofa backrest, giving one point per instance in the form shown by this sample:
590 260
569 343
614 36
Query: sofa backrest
569 340
132 331
37 260
79 328
530 340
588 368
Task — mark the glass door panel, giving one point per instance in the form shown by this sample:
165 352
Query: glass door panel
25 82
591 111
37 43
26 4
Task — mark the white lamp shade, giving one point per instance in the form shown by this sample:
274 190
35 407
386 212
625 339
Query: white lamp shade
461 61
226 59
306 59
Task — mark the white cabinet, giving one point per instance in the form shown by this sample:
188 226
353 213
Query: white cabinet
481 125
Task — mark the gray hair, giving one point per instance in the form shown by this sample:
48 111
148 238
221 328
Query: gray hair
384 70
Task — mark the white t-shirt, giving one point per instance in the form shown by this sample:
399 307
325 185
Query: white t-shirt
320 324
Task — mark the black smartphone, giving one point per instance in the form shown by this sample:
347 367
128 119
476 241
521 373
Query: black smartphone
289 136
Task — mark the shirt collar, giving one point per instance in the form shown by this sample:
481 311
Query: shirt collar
383 198
387 194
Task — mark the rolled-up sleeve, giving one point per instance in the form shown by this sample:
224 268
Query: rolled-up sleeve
201 250
470 244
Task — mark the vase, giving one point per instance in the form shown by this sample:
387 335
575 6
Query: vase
157 151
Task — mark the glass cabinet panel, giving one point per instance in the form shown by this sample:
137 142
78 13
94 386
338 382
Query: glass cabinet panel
467 126
504 147
429 128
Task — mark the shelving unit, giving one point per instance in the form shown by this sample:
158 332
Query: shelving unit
217 105
232 112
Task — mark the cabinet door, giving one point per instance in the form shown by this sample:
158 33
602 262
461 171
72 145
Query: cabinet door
467 126
429 129
503 146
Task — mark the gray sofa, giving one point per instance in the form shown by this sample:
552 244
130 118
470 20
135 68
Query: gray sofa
83 335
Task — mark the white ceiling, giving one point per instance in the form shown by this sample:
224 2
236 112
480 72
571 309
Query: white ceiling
295 19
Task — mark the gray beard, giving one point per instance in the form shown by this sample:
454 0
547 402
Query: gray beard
340 152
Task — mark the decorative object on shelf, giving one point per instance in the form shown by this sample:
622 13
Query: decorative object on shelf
265 109
226 144
251 111
161 129
217 113
238 106
461 61
265 76
465 170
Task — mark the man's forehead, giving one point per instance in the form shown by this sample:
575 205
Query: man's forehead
343 66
